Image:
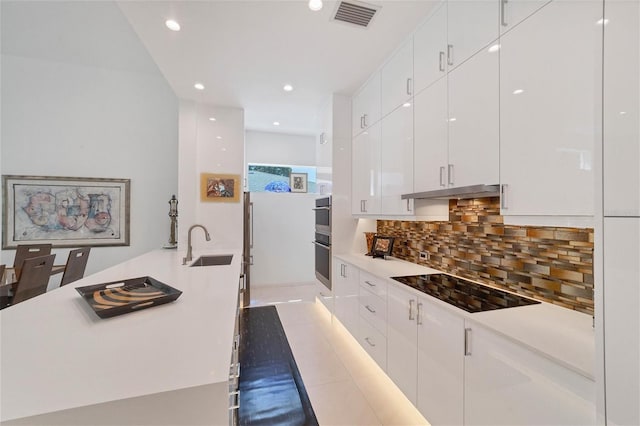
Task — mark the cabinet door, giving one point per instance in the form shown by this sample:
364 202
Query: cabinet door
402 345
472 25
440 364
430 49
365 171
430 139
622 319
345 290
506 384
512 12
474 149
550 86
366 105
397 160
621 108
396 79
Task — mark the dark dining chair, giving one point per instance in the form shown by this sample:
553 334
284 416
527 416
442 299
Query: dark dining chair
76 264
26 251
33 280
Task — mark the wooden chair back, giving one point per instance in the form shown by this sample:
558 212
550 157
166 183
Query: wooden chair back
26 251
34 278
76 264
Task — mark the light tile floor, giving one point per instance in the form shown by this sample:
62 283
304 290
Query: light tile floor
345 386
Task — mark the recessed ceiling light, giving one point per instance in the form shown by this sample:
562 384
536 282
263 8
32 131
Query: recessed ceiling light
494 48
287 88
623 112
172 25
315 5
276 123
218 137
518 91
452 119
199 86
212 119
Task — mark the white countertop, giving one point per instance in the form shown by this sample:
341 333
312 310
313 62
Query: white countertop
560 334
57 354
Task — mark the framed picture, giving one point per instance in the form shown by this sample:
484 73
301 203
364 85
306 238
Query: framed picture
65 211
219 188
298 182
382 246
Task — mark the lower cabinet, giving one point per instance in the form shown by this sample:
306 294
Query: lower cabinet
507 384
345 291
324 295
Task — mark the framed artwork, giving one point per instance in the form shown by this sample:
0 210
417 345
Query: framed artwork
65 211
298 182
219 188
382 246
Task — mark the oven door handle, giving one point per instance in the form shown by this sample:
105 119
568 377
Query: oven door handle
321 245
322 208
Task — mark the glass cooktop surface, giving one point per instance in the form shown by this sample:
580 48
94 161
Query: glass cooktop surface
464 294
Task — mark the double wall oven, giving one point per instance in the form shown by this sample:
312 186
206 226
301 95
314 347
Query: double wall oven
323 240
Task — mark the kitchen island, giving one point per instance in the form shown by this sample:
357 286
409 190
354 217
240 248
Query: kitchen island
168 364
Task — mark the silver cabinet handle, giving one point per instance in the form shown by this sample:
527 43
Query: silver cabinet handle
343 270
503 13
362 121
369 342
450 54
324 246
363 206
370 283
441 61
251 217
467 341
373 311
503 196
409 84
365 120
411 302
450 172
442 176
408 205
419 313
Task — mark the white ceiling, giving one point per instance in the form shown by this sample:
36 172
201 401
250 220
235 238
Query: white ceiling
245 51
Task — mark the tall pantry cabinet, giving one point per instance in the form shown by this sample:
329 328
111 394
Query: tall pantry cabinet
621 207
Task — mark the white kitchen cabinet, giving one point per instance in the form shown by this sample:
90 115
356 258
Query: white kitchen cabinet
474 147
431 138
396 79
345 289
430 49
440 364
365 163
324 295
373 342
402 340
622 319
396 161
507 384
472 25
373 309
550 86
512 12
621 108
373 317
365 109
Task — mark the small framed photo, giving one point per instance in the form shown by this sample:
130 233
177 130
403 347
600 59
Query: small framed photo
382 246
298 182
219 188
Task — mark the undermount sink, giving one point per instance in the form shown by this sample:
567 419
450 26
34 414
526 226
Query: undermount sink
213 260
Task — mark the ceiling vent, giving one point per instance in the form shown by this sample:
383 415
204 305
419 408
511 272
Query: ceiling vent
355 13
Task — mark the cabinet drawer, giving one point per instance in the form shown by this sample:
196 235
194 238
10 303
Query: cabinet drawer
373 342
377 286
374 310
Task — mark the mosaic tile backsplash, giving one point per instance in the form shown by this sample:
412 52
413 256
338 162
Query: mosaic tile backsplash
554 265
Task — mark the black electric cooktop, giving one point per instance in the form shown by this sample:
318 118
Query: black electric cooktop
464 294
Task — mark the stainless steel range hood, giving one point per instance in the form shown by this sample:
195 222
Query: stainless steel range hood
473 191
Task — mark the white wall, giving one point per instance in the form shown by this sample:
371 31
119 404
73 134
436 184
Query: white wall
280 148
82 97
201 151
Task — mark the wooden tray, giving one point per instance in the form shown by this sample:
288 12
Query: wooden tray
120 297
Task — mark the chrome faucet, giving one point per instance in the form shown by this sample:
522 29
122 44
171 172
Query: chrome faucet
189 256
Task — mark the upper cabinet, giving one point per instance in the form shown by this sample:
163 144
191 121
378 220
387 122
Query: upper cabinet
366 105
550 87
472 25
396 79
512 12
430 49
396 161
621 108
365 169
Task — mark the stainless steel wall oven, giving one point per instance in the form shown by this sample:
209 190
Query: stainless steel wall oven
323 240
